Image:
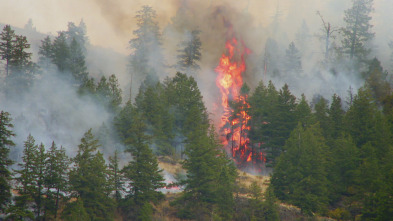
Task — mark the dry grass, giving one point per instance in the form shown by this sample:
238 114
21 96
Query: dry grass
171 166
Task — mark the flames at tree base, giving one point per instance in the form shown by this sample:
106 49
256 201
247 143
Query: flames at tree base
235 121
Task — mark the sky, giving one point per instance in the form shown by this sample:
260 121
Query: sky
110 23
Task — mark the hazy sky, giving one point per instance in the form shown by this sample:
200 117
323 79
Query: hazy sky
110 23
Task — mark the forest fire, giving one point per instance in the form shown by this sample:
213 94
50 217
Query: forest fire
234 123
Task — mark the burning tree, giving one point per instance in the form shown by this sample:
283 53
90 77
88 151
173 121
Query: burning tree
234 101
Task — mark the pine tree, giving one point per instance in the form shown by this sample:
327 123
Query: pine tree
153 104
79 34
5 143
300 174
292 62
207 169
357 31
283 121
18 66
142 173
39 177
190 53
115 91
116 179
26 182
336 117
61 53
360 119
376 81
321 114
123 121
88 179
303 111
146 57
6 46
77 67
46 53
56 179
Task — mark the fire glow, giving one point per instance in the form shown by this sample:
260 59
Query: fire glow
234 124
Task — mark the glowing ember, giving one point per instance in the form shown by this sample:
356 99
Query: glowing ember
234 122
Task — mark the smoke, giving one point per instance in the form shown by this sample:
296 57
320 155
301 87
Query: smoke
52 111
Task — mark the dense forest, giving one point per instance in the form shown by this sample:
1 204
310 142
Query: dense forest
328 155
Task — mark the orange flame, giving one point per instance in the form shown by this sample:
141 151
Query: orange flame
234 123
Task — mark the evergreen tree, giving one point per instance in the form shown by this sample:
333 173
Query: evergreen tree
77 33
303 111
75 211
376 81
292 62
146 57
77 64
108 92
190 53
322 115
300 174
282 123
271 58
88 179
56 179
5 143
116 179
152 103
360 119
61 53
6 46
258 113
183 93
142 173
115 91
336 117
46 53
357 31
39 177
207 169
26 182
18 66
124 120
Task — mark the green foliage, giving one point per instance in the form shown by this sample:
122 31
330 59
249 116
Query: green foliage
61 52
357 31
75 211
56 179
152 103
300 174
185 97
336 117
19 70
88 178
360 118
115 179
190 53
376 81
146 57
6 46
142 173
207 169
303 111
5 143
26 181
293 63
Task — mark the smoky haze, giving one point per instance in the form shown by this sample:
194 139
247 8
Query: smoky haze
53 111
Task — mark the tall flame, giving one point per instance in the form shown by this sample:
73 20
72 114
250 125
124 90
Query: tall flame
235 119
